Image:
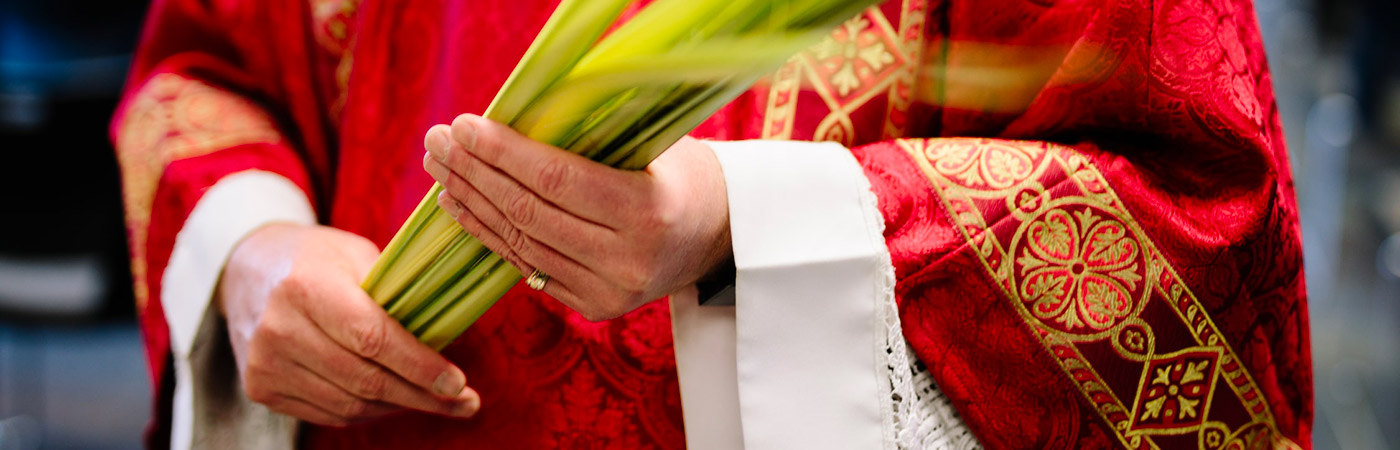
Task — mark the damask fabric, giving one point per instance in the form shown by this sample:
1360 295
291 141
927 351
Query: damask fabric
1116 265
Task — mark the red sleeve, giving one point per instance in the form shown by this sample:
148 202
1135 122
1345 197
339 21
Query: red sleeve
216 88
1113 258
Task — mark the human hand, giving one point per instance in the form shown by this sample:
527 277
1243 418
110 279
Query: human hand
311 344
610 240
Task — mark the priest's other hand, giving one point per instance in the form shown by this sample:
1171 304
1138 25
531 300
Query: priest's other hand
610 240
311 344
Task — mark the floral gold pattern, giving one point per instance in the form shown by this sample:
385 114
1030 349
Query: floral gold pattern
1088 282
987 166
1176 390
862 59
855 57
1080 271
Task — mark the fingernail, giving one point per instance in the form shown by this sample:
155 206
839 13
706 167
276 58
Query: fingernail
467 408
450 383
436 144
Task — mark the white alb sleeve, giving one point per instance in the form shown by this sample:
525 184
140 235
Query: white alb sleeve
210 410
811 354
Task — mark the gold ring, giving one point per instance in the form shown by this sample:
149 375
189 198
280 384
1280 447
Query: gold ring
537 280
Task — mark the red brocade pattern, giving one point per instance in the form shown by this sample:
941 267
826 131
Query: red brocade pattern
1119 267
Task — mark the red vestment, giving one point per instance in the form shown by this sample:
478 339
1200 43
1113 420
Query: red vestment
1117 263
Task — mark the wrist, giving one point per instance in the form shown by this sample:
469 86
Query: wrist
719 271
720 278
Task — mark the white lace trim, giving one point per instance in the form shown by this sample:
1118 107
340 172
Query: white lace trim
920 416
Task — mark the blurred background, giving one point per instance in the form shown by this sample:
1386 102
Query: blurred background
72 372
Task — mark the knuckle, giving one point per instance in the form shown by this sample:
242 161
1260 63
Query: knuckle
258 378
372 384
653 214
354 409
259 364
517 241
648 220
466 169
271 331
496 245
554 177
368 338
633 279
455 184
257 390
666 217
290 289
522 209
468 196
527 249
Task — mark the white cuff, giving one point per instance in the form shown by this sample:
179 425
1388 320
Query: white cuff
228 211
811 266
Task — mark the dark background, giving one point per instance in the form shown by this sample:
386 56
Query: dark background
72 372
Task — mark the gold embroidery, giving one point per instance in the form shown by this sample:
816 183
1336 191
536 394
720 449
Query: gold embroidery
912 16
843 51
171 118
987 166
1080 270
861 59
1176 390
331 26
858 61
782 100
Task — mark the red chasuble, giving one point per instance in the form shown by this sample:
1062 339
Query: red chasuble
1088 205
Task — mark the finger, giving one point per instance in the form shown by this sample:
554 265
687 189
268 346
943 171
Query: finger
580 239
355 377
559 288
561 291
533 253
353 321
316 390
586 188
569 282
473 226
304 410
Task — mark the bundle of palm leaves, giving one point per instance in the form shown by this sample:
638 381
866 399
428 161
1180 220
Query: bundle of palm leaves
621 100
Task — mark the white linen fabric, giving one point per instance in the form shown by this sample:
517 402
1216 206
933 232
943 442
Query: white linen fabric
818 357
704 344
